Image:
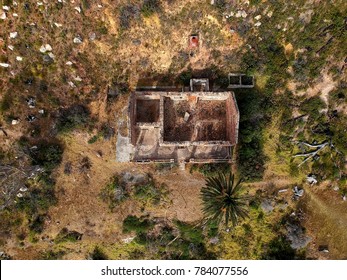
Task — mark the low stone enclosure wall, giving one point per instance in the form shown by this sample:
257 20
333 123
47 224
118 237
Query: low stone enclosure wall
183 126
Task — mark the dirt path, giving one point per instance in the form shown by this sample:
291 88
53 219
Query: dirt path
327 222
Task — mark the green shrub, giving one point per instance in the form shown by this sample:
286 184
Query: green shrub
52 255
114 193
66 235
210 169
279 249
149 7
150 193
6 102
93 139
312 106
74 117
139 225
98 254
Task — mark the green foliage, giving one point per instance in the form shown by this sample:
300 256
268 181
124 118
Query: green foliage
165 241
66 235
139 225
37 225
85 4
312 106
150 193
98 254
47 154
221 200
93 139
73 117
279 249
209 169
6 102
149 7
52 255
40 197
114 193
127 15
254 109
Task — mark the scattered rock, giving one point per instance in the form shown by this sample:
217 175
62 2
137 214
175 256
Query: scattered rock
31 102
13 35
186 116
323 248
311 179
5 65
3 15
78 9
15 15
69 63
71 84
19 58
137 42
14 122
6 8
46 48
19 195
41 111
258 17
344 197
134 178
77 40
257 24
31 118
298 192
336 188
214 240
92 36
47 59
23 189
129 239
282 190
266 206
11 47
58 24
296 236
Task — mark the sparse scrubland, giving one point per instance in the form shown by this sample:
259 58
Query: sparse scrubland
67 68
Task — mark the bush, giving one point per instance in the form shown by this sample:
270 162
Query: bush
68 236
149 7
52 255
114 193
210 169
279 249
74 117
40 198
150 193
139 225
37 225
98 254
6 102
312 106
47 154
127 14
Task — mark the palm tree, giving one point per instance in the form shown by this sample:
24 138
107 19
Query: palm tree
221 199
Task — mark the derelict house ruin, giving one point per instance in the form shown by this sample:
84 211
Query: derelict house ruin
193 126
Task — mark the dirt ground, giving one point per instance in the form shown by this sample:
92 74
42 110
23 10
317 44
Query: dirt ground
80 207
207 118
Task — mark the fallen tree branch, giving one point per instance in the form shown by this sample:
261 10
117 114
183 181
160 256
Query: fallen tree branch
310 155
